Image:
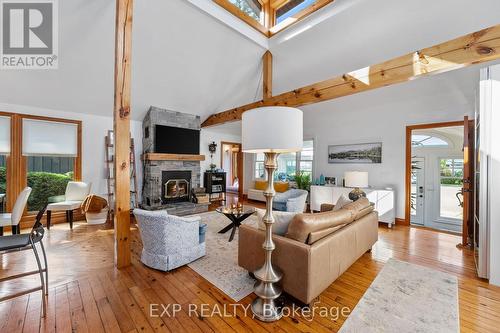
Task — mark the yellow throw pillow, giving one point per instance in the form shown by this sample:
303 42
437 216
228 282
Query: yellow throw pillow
281 187
260 185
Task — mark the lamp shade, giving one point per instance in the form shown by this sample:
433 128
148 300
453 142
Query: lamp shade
273 129
356 179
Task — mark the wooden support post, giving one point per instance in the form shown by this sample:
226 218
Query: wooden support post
123 50
267 83
475 48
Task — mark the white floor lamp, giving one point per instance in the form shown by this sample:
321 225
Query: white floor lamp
270 130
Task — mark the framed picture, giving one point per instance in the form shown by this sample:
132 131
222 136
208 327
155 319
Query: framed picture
355 153
331 181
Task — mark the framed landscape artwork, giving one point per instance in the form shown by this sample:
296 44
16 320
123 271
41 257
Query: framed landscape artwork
355 153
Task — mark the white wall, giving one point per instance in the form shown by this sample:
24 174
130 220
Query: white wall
230 132
362 33
94 129
217 135
491 149
382 116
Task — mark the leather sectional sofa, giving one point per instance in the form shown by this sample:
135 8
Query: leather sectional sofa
316 249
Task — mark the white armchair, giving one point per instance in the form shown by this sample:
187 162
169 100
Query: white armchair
13 219
169 241
76 192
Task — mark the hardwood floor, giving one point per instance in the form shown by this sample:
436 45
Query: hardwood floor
87 294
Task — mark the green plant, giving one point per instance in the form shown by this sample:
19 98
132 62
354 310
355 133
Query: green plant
3 180
303 181
451 181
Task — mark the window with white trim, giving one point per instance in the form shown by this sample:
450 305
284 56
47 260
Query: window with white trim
290 164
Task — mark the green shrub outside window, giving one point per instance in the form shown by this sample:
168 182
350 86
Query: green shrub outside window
45 185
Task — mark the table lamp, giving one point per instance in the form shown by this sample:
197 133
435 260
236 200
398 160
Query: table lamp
358 180
270 130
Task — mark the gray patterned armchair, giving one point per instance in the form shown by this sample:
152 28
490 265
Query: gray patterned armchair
169 241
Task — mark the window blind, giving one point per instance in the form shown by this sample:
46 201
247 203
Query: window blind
49 138
5 135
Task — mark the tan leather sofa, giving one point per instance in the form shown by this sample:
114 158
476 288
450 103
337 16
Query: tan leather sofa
309 269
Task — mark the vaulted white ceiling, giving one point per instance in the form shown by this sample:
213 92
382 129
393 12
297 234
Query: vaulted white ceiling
186 60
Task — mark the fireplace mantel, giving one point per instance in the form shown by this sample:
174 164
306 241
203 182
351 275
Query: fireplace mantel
172 157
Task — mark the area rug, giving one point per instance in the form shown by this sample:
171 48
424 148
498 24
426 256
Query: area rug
407 298
220 265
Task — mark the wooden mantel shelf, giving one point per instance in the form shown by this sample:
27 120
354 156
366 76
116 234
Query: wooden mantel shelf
172 157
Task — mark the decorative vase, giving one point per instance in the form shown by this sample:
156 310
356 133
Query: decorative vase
356 194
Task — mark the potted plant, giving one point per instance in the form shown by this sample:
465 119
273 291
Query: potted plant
303 181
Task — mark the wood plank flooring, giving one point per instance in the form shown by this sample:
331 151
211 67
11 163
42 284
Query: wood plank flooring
87 294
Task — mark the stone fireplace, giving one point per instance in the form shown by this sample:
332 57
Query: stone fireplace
169 178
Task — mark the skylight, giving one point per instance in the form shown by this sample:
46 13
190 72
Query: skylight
291 8
271 16
252 8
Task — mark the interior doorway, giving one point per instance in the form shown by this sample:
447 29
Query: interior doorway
232 163
438 175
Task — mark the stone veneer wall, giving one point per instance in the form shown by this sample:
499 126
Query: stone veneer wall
151 193
157 116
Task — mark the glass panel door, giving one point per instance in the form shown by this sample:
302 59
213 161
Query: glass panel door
417 197
450 188
3 183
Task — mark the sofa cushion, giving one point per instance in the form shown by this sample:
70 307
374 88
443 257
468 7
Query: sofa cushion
365 211
341 202
281 187
281 221
260 185
357 206
320 234
303 225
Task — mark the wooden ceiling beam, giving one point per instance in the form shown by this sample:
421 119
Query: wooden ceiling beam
478 47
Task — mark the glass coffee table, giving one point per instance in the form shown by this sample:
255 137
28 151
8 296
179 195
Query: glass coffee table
236 215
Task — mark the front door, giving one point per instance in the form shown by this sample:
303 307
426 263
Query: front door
417 197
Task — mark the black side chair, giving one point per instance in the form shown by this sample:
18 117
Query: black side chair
13 243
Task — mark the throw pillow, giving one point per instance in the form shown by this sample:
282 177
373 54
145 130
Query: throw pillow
260 185
281 187
341 202
281 221
302 225
358 206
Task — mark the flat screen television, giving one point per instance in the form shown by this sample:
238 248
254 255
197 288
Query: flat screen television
175 140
